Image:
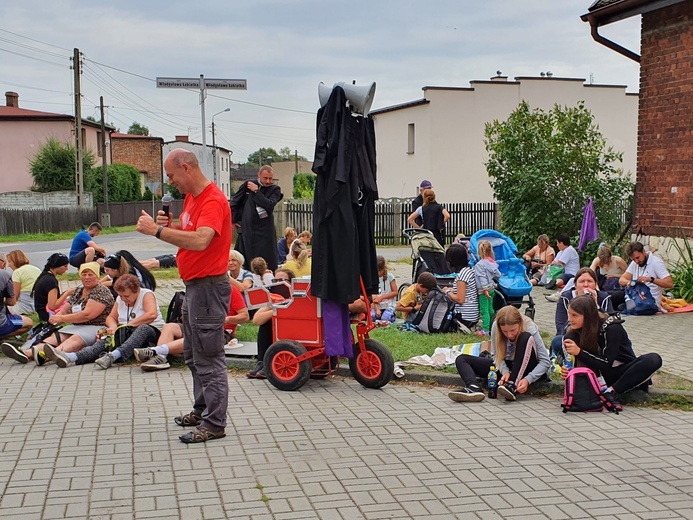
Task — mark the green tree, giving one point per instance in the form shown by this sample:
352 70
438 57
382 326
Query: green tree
304 185
542 166
266 153
53 167
123 183
138 129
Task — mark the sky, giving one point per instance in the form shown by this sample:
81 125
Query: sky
284 49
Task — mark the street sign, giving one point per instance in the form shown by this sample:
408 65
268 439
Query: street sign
206 83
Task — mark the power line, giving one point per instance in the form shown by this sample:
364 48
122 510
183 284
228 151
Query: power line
120 70
33 88
61 65
257 104
31 48
37 41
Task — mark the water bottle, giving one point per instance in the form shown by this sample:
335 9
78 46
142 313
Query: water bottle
569 362
492 383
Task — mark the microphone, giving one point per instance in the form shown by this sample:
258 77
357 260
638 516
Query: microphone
166 203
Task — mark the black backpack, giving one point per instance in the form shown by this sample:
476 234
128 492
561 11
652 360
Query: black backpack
435 315
175 308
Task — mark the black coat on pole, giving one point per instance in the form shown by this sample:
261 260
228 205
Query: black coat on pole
256 236
344 203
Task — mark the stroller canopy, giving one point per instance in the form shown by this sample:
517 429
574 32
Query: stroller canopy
503 247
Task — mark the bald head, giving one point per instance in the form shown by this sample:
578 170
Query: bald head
180 156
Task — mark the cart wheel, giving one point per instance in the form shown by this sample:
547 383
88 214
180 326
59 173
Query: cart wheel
529 312
283 371
373 366
401 290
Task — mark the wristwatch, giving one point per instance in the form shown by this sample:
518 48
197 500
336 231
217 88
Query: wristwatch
652 279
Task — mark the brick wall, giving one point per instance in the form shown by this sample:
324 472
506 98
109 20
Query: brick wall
664 192
142 153
36 200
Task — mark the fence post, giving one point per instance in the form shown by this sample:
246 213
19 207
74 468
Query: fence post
397 210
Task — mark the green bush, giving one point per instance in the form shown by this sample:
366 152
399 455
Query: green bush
53 167
123 183
682 271
304 185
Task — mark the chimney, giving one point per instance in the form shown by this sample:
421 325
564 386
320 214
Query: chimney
12 99
182 138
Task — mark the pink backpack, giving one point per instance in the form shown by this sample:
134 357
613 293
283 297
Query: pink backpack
582 393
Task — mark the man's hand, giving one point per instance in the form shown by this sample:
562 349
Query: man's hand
253 187
146 224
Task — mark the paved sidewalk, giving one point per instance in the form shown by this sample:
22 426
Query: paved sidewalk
86 443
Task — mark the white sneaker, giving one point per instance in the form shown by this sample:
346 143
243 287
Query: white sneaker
158 362
14 353
553 297
105 361
57 356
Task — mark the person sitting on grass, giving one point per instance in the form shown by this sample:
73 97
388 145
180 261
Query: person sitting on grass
300 262
517 352
414 295
239 277
599 342
284 243
84 249
46 291
261 275
24 277
383 309
11 324
463 291
135 307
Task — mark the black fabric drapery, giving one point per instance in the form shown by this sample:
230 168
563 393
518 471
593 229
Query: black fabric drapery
344 203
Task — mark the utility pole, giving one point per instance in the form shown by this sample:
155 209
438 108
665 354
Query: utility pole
296 160
79 167
103 156
203 96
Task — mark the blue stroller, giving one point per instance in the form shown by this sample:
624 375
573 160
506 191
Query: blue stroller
514 287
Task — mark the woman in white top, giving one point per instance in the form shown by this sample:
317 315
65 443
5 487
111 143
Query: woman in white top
135 307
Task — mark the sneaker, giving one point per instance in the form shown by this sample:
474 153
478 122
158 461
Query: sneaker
508 391
612 398
57 356
143 354
261 374
158 362
13 352
553 297
258 368
469 394
39 356
105 360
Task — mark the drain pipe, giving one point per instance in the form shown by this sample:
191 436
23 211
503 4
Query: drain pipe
611 45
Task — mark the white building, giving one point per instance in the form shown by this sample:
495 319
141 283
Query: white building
223 160
441 137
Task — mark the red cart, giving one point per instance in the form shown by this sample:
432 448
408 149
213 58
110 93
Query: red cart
298 351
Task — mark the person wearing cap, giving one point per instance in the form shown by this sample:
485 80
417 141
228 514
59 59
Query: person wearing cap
86 310
46 292
418 200
433 216
203 238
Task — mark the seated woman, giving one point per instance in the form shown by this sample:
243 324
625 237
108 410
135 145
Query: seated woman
538 258
585 283
86 310
261 275
122 263
24 277
135 307
517 352
463 292
609 268
46 291
239 277
600 342
300 263
263 318
384 302
433 215
283 245
11 324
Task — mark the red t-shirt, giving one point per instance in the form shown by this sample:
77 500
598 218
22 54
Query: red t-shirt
209 209
237 303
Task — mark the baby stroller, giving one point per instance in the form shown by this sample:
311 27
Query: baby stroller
514 287
427 256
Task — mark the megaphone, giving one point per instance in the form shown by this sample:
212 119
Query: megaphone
360 98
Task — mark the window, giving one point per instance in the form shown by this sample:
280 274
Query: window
99 143
410 138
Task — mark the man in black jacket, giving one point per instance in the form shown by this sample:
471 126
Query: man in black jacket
252 210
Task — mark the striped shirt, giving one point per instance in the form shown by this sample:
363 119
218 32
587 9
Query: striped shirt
469 310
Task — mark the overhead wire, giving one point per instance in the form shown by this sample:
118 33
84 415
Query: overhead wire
34 58
33 40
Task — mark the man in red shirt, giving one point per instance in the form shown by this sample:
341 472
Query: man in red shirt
203 237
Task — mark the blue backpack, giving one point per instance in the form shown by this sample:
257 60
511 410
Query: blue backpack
639 300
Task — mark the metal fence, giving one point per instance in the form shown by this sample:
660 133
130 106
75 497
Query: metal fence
391 218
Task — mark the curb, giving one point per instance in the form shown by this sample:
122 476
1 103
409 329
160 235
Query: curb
552 388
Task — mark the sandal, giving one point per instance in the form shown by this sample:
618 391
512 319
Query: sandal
190 419
201 434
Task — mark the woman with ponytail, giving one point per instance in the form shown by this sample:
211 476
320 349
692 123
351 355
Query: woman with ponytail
300 263
46 292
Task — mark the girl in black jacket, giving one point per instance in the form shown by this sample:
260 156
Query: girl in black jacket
600 342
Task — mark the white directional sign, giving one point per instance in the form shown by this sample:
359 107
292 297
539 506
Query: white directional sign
205 83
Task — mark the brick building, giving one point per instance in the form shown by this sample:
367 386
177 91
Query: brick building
141 151
664 184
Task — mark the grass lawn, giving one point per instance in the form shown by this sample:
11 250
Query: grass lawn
65 235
